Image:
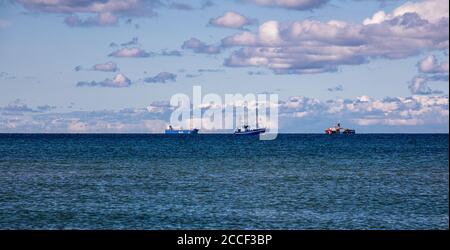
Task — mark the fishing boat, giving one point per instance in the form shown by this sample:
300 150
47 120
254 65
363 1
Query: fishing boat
247 130
172 131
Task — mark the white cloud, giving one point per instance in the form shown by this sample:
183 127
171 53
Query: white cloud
389 122
101 19
366 111
430 64
200 47
105 121
90 126
424 113
107 67
419 86
119 81
125 7
77 127
430 10
232 20
431 70
131 52
310 46
269 33
291 4
105 12
17 107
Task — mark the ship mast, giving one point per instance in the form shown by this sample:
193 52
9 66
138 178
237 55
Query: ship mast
257 114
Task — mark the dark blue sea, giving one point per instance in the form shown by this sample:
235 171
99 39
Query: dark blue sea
362 181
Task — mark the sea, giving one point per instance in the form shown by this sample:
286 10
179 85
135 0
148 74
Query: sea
222 181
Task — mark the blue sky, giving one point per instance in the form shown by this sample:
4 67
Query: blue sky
100 66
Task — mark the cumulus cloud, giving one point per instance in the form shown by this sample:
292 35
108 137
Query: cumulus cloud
130 7
101 19
148 119
16 107
108 125
76 126
419 86
291 4
415 111
131 52
159 107
430 64
161 77
232 20
438 77
123 7
310 46
106 12
119 81
200 47
430 10
133 48
106 67
419 113
431 70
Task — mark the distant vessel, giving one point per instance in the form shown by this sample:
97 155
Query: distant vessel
172 131
337 130
246 130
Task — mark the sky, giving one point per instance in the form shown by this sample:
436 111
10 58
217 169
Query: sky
378 66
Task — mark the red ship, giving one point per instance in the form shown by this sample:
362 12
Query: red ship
337 130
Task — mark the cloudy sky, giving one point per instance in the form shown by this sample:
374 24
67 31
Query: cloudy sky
112 66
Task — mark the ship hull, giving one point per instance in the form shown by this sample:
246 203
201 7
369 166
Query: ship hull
251 132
